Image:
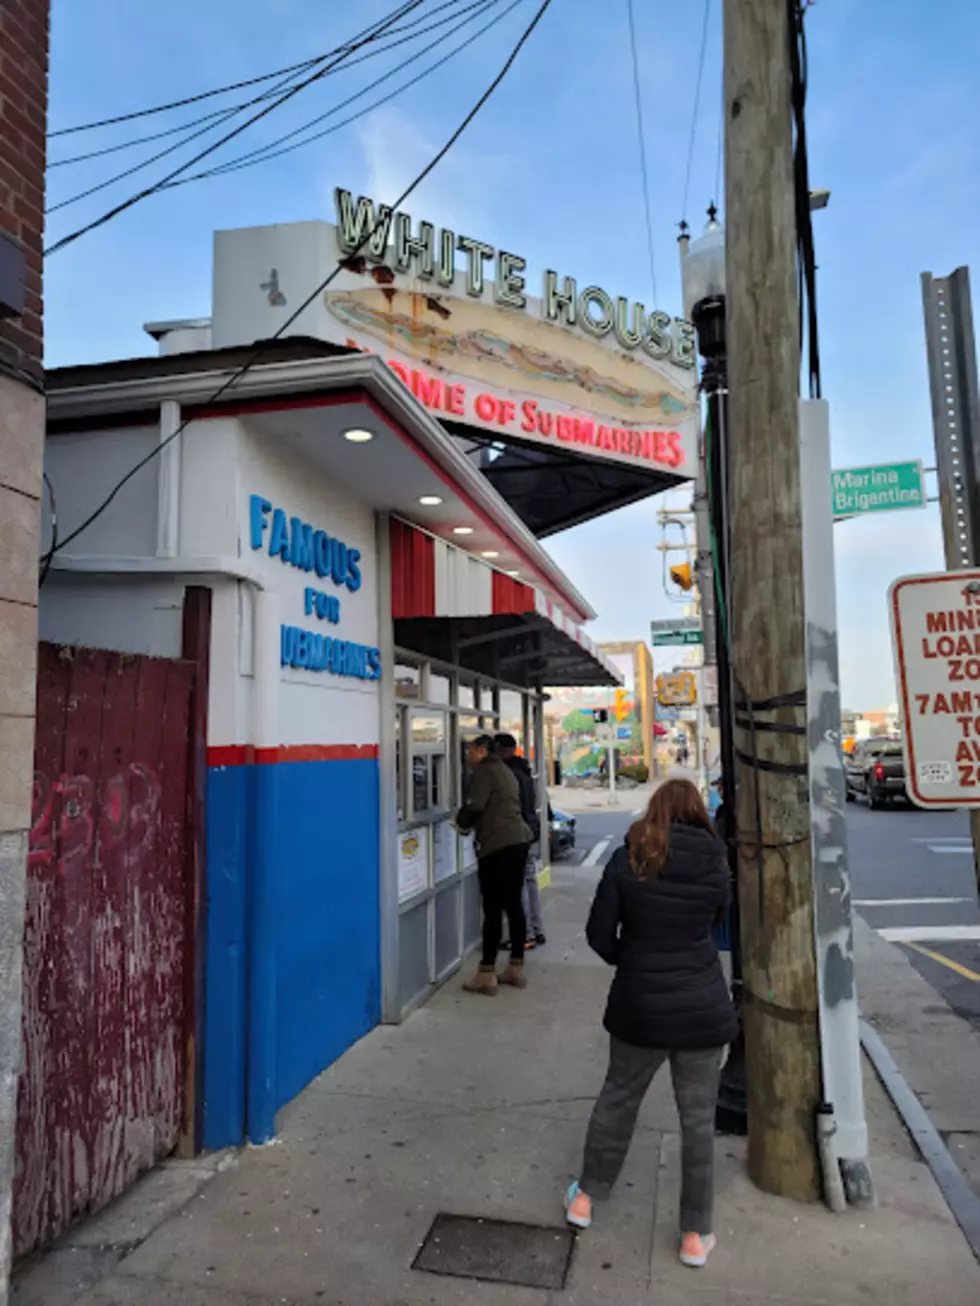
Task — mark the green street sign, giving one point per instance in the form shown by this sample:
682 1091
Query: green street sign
856 490
662 638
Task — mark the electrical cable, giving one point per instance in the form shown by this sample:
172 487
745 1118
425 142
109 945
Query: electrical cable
697 101
643 149
219 90
361 40
275 149
257 354
46 565
266 95
806 260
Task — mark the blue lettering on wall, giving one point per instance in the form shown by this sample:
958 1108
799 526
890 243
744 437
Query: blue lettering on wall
307 650
296 543
326 606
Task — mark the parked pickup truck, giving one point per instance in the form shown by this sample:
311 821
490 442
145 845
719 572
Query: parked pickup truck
876 771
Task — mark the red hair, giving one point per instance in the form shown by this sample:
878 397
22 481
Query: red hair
675 802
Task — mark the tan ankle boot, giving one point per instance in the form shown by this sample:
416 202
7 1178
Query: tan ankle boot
484 981
514 975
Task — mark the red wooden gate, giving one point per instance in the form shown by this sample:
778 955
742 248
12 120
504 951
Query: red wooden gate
102 1087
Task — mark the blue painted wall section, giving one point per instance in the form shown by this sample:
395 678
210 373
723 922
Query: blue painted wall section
317 889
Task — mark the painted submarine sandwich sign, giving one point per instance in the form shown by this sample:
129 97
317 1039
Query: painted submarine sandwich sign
578 368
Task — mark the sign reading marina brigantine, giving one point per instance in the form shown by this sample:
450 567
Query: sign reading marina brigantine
936 635
578 368
856 490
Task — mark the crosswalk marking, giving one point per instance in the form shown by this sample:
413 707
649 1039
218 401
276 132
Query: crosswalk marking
931 933
907 902
596 853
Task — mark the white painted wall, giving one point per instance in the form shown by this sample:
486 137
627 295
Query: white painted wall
222 463
314 707
128 614
83 468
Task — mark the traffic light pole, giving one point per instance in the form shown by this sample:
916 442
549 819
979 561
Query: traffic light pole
731 1116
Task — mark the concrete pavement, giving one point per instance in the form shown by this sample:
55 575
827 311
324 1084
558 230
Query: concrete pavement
478 1107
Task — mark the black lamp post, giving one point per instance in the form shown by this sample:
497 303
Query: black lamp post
704 273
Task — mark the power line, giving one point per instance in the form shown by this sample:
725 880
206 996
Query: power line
266 95
697 101
314 294
372 34
218 90
269 152
643 150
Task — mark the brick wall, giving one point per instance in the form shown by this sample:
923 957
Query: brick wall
23 116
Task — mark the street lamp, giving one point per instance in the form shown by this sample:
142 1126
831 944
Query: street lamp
704 295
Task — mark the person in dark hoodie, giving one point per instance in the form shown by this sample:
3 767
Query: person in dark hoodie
507 752
492 813
652 918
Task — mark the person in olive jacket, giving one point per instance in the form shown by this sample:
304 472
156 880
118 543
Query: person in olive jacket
652 917
493 814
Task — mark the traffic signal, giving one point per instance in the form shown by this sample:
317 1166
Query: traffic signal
600 716
621 710
682 575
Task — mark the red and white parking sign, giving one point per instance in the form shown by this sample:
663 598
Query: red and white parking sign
936 634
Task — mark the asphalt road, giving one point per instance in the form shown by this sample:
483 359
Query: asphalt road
913 881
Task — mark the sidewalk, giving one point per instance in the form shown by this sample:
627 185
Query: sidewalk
478 1107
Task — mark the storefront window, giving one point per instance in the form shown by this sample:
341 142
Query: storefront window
438 691
428 762
407 680
512 715
467 695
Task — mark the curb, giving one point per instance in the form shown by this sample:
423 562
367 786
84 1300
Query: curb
960 1197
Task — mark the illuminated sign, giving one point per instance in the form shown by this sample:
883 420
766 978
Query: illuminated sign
299 544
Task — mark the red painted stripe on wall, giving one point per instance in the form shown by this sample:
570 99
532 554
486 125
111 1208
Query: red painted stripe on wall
248 754
511 596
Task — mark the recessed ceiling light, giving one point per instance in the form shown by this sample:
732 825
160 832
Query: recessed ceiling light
513 573
490 553
462 530
358 435
430 501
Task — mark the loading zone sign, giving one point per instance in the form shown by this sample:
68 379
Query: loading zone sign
936 637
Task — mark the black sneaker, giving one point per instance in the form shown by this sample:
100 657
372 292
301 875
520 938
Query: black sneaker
540 940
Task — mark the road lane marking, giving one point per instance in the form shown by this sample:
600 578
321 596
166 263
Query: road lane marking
962 851
906 902
596 853
946 961
935 838
932 934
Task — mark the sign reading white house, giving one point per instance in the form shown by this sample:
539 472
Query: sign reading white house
579 367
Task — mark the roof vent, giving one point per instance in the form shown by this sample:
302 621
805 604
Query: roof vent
184 337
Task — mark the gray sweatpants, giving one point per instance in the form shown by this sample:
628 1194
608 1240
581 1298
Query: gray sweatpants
631 1070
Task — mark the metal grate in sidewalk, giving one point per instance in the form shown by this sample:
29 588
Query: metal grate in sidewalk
497 1251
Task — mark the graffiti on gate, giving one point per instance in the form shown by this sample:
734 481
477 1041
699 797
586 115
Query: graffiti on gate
67 813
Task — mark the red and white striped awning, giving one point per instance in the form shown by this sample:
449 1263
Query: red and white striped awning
434 581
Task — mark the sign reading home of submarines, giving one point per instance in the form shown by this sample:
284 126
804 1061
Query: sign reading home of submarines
299 544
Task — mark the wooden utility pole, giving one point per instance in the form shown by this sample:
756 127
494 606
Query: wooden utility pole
767 620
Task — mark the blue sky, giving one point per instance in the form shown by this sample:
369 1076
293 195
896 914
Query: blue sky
551 169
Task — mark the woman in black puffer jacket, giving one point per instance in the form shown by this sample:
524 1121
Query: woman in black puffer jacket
660 894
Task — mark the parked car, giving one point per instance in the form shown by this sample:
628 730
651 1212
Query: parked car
875 770
562 838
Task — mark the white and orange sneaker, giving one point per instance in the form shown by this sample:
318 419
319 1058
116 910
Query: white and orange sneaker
578 1207
696 1248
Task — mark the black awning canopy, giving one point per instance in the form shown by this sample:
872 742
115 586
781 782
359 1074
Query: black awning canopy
553 489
